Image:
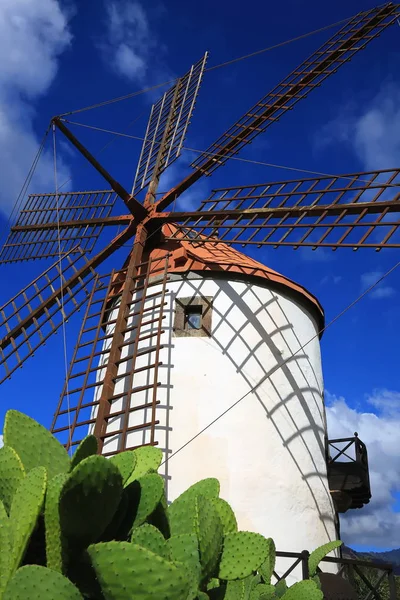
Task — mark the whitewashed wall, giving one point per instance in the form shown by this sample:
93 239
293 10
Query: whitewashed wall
268 450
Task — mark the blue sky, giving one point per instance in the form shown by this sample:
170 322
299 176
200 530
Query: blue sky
58 56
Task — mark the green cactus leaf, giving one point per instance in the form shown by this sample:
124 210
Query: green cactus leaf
25 510
11 473
238 590
34 444
126 570
243 553
268 566
213 584
303 590
184 548
5 548
86 448
39 583
208 528
280 588
159 517
226 515
148 458
180 510
151 490
89 498
263 591
149 537
317 555
126 462
202 596
56 551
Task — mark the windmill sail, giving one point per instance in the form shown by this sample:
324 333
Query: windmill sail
32 316
50 224
128 405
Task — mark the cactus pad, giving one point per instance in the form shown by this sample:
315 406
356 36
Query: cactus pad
129 571
39 583
5 545
11 473
303 590
238 590
25 510
126 462
149 537
185 549
318 554
263 592
148 458
150 491
243 553
87 447
268 566
226 514
89 499
55 541
34 444
280 588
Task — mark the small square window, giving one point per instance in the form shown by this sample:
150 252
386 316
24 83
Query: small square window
193 314
193 317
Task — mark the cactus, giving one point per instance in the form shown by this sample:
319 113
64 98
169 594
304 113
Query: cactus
87 447
89 499
238 590
39 583
185 549
11 473
280 588
181 509
34 444
126 462
318 554
129 571
243 553
149 537
25 509
150 489
226 515
5 548
303 590
148 458
56 551
208 528
268 566
263 592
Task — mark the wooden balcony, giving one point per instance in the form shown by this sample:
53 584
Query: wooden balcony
348 473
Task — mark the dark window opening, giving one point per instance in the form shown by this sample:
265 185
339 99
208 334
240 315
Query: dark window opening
193 316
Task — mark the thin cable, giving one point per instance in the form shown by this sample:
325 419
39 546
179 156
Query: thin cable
224 64
245 160
284 362
61 286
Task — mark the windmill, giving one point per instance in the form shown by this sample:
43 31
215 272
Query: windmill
189 322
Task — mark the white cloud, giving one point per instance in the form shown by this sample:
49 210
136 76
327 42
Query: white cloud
131 45
32 36
382 290
377 524
371 130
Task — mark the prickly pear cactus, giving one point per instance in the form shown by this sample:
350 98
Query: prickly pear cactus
226 515
149 537
87 447
303 590
56 544
243 553
25 509
39 583
238 590
268 566
11 473
150 490
129 571
148 458
5 548
280 588
263 591
34 444
88 500
185 549
126 462
317 555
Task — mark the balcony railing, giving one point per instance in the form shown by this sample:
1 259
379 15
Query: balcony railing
351 572
348 473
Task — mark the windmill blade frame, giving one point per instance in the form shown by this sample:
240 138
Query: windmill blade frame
338 50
